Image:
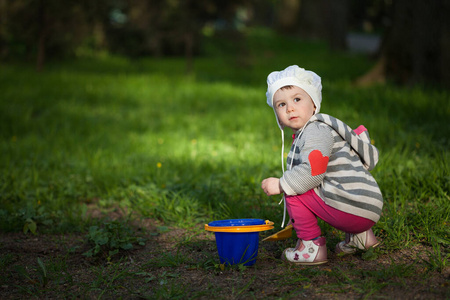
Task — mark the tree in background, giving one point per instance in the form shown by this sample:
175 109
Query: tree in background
42 29
415 49
315 19
416 46
39 29
166 28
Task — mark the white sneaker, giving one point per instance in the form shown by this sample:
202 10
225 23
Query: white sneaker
312 252
362 241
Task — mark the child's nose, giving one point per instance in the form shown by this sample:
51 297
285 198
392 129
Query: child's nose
289 108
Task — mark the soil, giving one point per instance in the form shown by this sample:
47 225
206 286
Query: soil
183 263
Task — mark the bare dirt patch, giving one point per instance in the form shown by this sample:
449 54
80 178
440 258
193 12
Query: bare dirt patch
183 263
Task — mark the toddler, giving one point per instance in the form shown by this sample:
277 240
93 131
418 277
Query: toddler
327 174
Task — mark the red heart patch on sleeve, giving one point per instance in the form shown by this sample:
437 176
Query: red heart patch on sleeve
318 162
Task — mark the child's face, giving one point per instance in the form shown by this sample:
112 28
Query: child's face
293 106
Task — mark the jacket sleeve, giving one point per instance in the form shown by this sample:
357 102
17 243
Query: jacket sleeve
310 161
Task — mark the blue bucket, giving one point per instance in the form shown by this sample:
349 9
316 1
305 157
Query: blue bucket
237 240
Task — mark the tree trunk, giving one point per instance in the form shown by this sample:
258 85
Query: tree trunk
416 46
3 29
287 15
326 20
336 20
42 36
375 75
445 45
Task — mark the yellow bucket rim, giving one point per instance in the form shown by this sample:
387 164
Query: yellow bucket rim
251 228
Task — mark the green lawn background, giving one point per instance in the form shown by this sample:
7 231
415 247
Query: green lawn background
191 148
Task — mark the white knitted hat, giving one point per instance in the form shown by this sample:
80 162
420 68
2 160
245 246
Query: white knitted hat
294 75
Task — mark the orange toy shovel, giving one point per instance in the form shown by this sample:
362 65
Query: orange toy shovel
280 235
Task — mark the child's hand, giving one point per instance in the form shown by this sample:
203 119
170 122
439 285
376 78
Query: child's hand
271 186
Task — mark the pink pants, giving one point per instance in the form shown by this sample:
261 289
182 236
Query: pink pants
306 208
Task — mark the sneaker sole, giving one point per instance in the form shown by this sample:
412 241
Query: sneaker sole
343 252
308 263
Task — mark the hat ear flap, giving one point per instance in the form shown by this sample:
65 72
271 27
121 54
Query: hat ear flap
278 120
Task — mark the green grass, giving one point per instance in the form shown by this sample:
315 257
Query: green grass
191 148
145 137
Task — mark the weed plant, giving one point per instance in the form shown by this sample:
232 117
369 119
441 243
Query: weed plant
191 148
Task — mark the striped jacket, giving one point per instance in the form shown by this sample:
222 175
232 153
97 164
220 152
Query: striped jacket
330 157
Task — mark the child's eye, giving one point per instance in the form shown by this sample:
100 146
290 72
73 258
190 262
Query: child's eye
281 104
297 99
